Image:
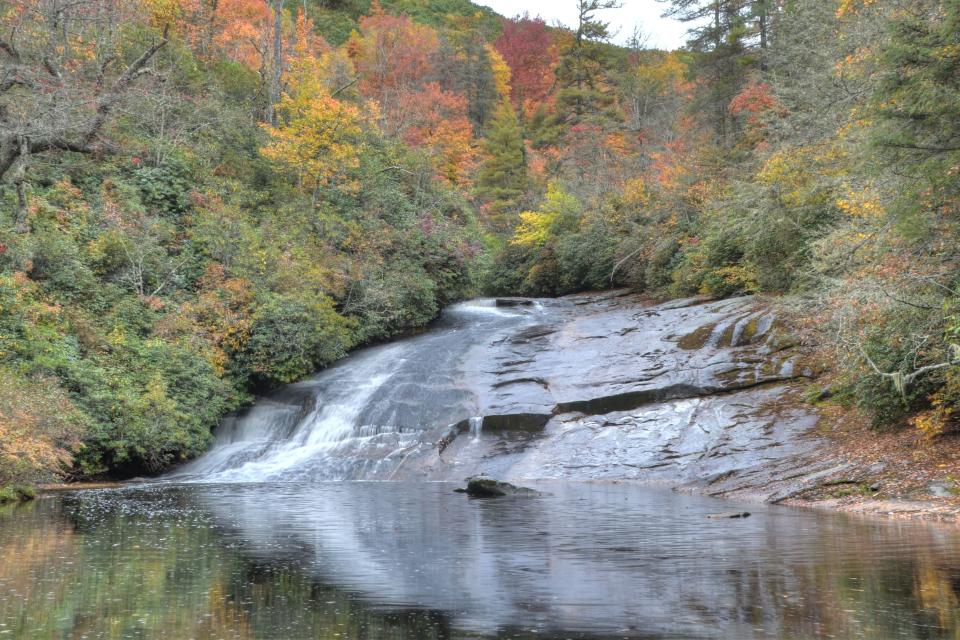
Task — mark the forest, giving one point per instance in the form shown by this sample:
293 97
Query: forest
204 199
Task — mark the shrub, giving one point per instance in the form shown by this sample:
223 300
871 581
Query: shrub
292 337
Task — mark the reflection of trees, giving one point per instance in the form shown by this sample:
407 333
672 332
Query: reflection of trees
938 590
876 581
165 575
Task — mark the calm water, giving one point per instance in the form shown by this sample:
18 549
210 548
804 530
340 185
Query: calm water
394 561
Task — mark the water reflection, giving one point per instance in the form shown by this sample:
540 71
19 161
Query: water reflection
372 561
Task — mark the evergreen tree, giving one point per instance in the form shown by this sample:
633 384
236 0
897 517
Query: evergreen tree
502 181
582 74
917 102
723 35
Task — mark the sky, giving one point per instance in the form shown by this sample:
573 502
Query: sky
661 33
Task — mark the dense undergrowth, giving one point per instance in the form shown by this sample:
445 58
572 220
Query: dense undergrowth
206 199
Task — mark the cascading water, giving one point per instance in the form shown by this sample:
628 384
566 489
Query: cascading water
476 427
361 418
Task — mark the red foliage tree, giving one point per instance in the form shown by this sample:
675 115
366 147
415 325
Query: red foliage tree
528 47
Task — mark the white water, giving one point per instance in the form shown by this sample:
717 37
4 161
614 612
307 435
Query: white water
362 417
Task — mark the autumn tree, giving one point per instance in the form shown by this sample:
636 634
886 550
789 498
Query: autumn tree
559 212
528 48
396 62
256 33
39 432
653 92
394 57
437 122
317 136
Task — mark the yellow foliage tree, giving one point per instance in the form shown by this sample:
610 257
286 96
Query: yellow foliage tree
663 76
318 137
558 210
502 74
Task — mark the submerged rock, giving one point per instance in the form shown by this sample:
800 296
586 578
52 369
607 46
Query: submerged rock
484 487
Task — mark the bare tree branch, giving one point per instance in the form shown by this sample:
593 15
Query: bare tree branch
345 87
902 381
169 276
102 70
621 262
107 102
13 80
14 145
915 305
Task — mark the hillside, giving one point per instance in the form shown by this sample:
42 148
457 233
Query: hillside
206 199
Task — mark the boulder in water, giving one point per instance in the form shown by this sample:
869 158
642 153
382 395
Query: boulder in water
514 302
484 487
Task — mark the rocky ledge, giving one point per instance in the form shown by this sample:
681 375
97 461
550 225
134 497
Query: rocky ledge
693 394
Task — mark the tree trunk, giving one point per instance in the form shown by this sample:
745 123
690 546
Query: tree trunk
762 17
273 96
20 219
19 180
717 31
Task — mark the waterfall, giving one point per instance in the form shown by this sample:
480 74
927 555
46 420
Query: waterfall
361 418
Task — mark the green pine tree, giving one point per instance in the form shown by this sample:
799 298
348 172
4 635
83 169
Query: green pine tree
582 74
502 182
917 104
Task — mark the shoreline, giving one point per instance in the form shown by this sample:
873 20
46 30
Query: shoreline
939 510
893 474
921 509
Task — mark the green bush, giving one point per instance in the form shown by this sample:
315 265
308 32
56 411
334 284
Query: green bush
292 337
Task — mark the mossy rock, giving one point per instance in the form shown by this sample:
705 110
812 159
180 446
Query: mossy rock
697 339
750 330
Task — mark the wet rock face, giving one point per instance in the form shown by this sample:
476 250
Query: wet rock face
692 393
603 387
